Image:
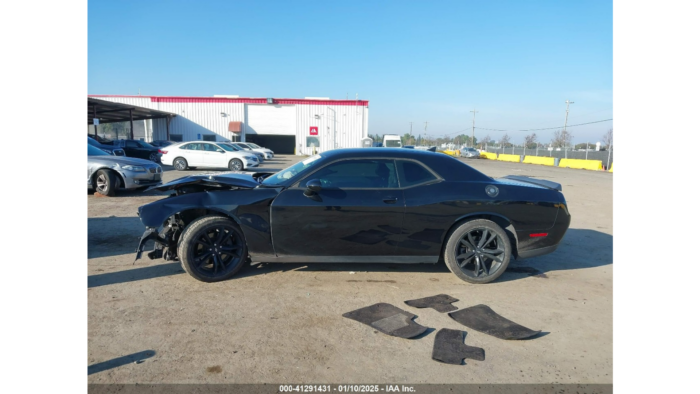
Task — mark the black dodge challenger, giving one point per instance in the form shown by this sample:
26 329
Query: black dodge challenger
356 206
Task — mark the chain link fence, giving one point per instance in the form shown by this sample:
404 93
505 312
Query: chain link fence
561 154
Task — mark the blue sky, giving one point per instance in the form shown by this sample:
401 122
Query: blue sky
515 61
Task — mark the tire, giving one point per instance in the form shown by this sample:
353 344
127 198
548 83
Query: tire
210 266
106 182
153 157
180 164
235 165
465 239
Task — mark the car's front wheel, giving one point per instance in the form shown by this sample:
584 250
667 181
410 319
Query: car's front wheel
106 182
212 248
478 251
235 165
180 164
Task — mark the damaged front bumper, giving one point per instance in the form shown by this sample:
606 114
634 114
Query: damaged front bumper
160 244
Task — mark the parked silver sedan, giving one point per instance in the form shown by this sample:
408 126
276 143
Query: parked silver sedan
107 173
469 153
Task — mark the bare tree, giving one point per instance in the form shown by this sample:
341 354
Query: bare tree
531 141
504 141
485 141
608 139
562 139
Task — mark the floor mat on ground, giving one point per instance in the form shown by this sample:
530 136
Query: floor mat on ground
484 319
388 319
441 303
449 348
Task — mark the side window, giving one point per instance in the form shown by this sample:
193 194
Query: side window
191 147
131 144
366 174
412 173
210 147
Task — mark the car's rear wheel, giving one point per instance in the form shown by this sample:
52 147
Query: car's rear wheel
180 164
235 165
153 157
478 251
106 182
212 249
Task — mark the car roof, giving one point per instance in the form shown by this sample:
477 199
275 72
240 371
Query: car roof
448 167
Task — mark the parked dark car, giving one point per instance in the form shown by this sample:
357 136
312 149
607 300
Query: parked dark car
161 143
356 206
139 149
99 139
111 149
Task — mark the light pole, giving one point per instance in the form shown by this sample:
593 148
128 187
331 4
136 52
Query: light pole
335 129
586 150
473 123
566 156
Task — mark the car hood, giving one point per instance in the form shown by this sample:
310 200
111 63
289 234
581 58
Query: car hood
121 160
248 180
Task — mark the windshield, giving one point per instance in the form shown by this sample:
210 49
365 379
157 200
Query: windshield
289 172
235 147
93 151
226 147
393 144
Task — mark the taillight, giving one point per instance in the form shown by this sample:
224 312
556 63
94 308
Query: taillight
162 151
534 235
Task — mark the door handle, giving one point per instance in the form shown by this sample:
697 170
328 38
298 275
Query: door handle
391 200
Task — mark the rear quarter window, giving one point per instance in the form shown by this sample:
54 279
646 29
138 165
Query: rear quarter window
412 173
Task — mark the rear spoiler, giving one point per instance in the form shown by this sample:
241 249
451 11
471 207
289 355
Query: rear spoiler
533 181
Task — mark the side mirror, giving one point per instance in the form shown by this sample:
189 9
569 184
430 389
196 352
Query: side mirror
312 187
220 150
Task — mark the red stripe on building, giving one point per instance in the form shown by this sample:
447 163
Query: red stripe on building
281 101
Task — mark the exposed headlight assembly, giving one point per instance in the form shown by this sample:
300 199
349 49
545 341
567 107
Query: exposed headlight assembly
134 168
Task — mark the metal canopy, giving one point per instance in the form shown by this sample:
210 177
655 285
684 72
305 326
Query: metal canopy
110 112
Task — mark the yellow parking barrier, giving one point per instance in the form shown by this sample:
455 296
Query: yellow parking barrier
510 158
450 152
489 155
594 165
545 161
610 168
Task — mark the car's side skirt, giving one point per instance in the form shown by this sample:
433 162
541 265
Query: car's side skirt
345 259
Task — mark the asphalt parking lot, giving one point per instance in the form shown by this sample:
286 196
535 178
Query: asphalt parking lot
282 323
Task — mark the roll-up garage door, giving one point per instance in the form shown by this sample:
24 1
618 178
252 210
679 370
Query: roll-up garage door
271 126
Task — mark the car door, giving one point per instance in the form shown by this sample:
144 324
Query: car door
213 156
131 148
355 217
193 154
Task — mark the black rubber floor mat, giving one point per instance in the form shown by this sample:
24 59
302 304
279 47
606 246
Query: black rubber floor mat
484 319
388 319
449 348
441 303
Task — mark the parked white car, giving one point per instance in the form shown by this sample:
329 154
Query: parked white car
257 148
194 154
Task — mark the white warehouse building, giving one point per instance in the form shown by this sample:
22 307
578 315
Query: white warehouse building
284 125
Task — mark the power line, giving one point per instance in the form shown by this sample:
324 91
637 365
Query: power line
548 128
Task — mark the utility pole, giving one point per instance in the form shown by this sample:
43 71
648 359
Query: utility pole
473 123
566 120
411 132
425 130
